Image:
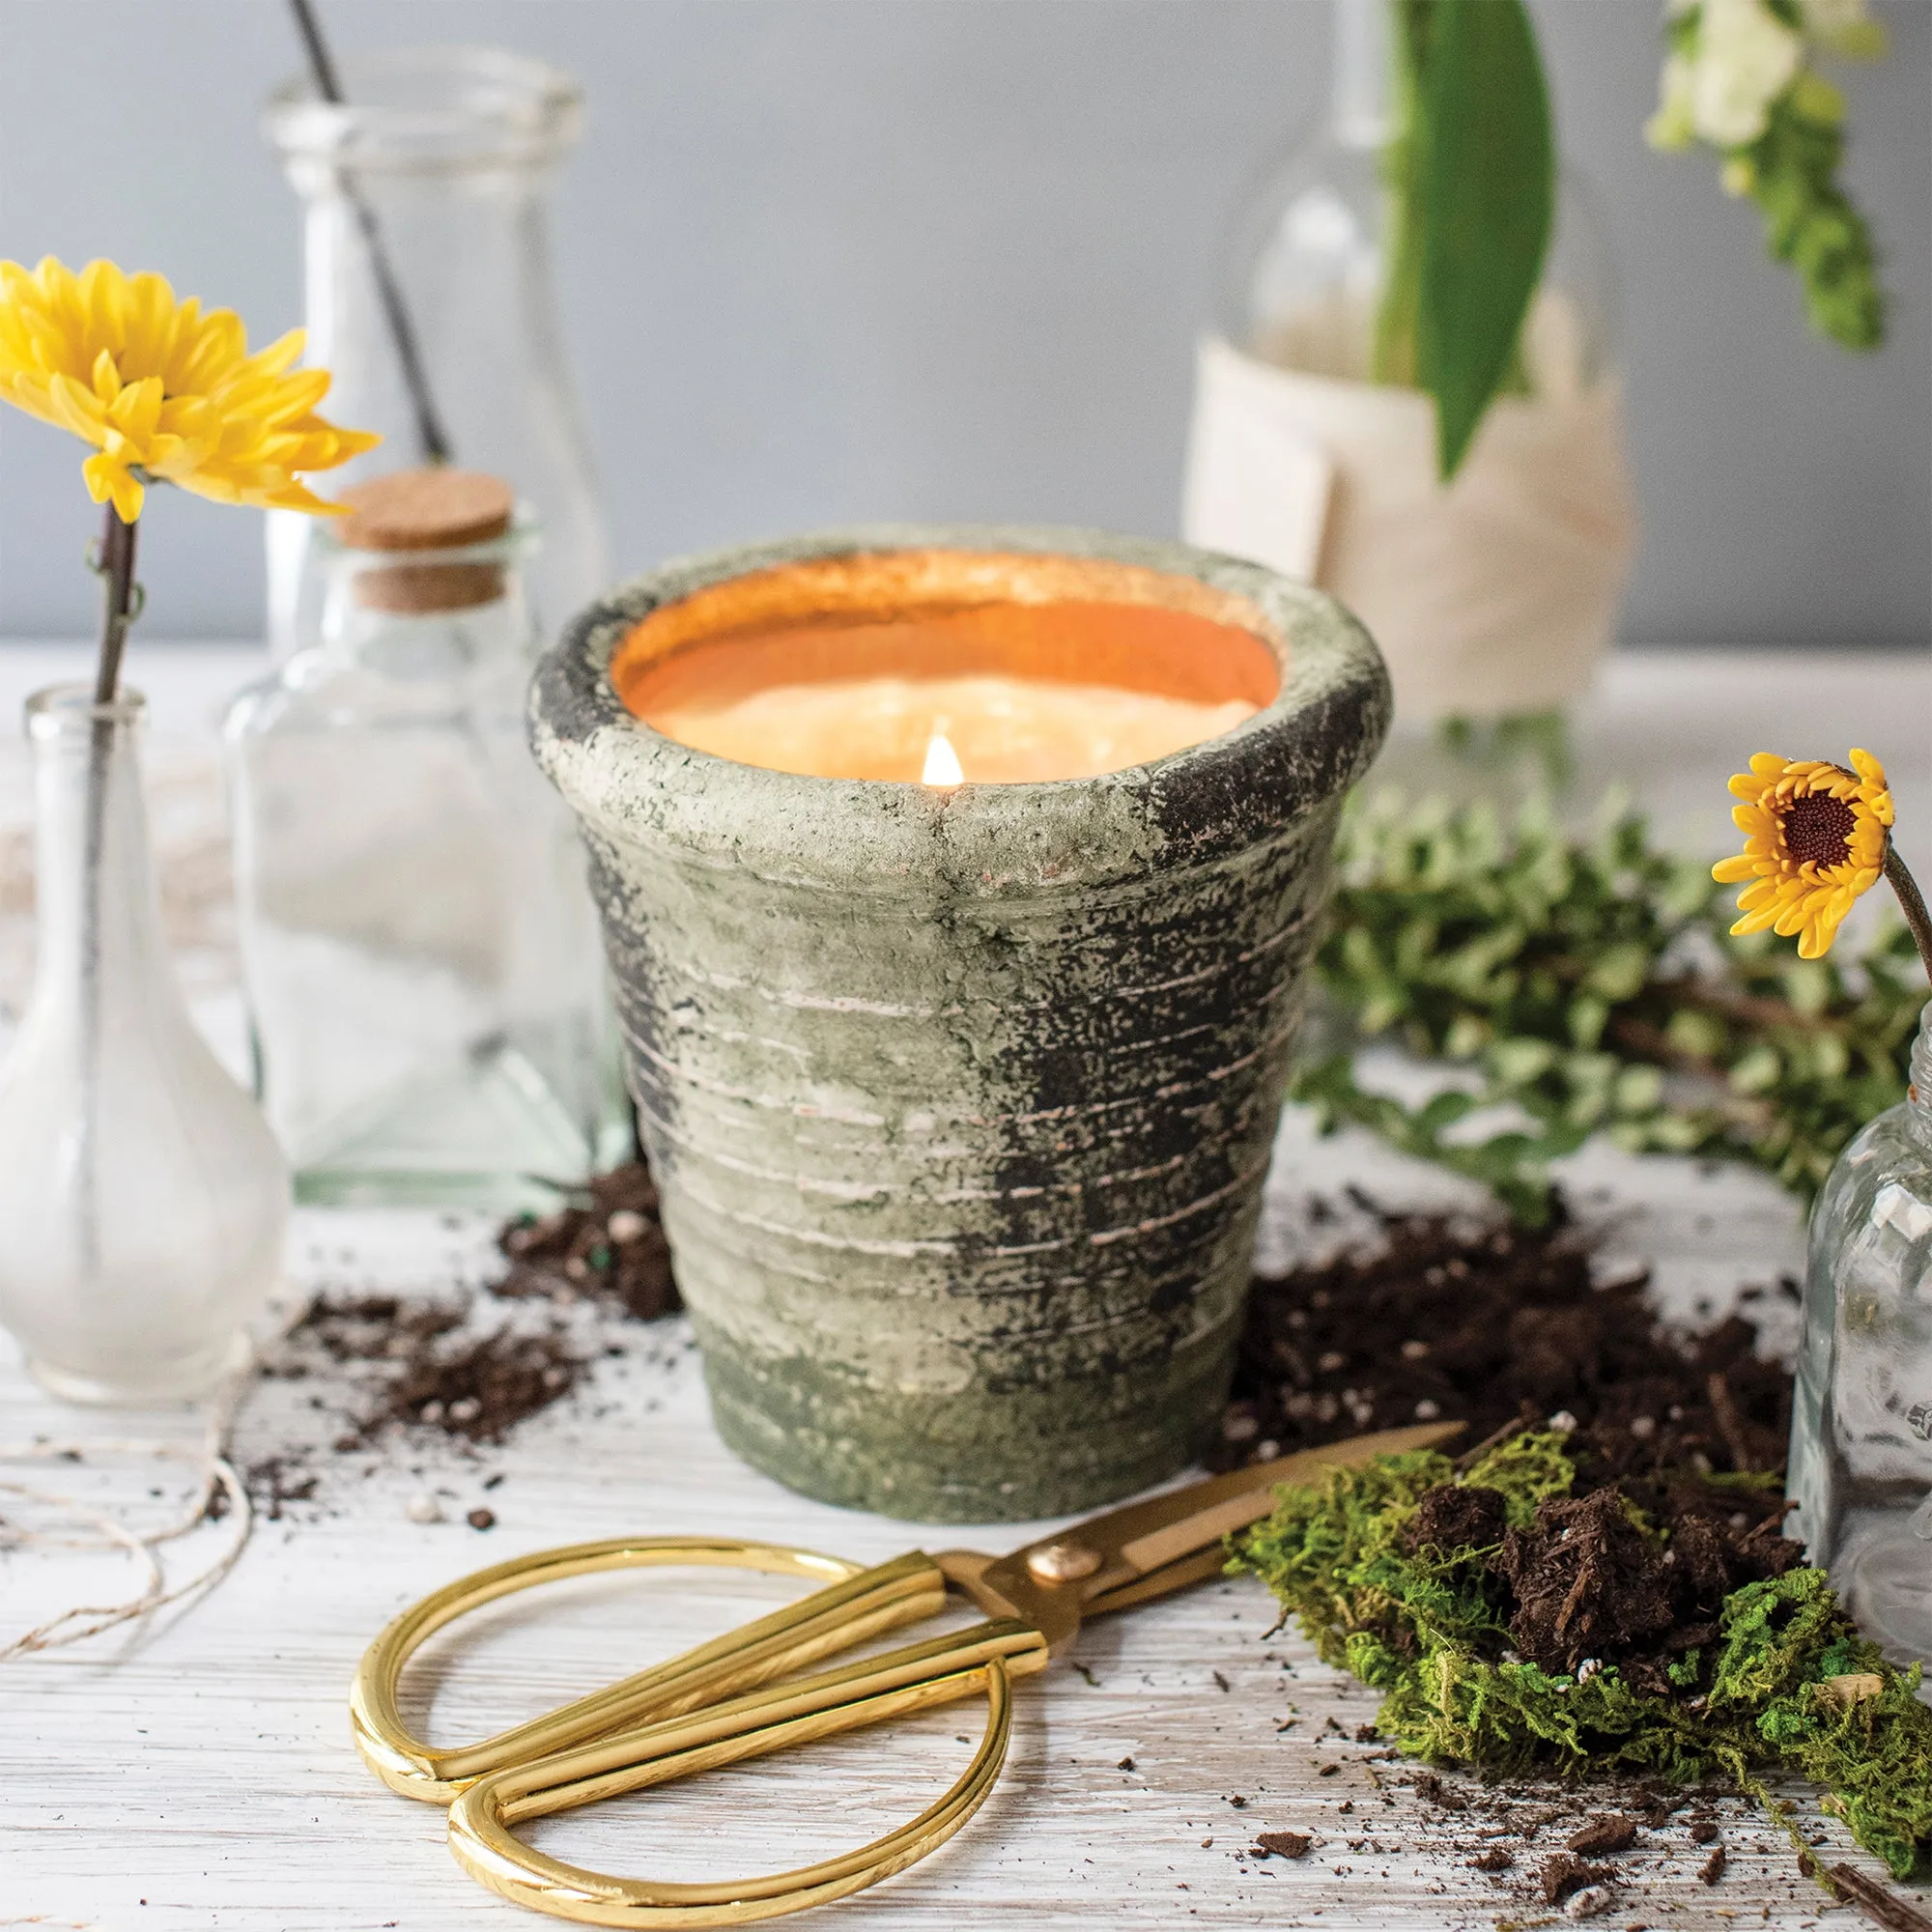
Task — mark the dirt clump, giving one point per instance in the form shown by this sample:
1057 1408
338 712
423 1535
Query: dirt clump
1455 1515
606 1241
1587 1582
1607 1833
1565 1873
1284 1844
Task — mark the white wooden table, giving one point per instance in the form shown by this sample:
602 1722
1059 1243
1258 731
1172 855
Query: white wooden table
199 1773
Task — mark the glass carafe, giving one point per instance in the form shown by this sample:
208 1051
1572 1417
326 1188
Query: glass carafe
421 961
1860 1470
1491 595
143 1200
440 165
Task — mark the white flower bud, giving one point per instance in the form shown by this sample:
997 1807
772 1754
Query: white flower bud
1746 57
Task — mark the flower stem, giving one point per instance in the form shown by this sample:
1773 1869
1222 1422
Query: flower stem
431 435
119 597
1911 903
117 571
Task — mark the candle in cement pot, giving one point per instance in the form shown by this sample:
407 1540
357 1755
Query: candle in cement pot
993 694
960 1096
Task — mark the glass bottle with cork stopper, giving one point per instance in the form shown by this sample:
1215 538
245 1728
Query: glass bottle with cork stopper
427 1005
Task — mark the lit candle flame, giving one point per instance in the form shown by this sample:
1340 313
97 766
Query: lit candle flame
942 763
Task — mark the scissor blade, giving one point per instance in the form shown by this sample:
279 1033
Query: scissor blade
1141 1546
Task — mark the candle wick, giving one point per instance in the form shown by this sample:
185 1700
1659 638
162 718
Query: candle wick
942 764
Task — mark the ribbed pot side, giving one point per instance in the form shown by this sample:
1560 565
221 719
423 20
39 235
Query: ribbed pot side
960 1103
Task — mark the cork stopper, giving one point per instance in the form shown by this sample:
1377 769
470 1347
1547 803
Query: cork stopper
439 509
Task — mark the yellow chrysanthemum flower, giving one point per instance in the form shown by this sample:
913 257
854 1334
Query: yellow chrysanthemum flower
1815 839
162 390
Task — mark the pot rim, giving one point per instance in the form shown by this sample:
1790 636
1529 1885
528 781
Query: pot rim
1198 806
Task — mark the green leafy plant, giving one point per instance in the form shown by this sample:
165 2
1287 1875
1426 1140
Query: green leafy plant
1471 175
1738 78
1577 986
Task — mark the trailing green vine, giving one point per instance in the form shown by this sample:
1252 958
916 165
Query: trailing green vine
1590 985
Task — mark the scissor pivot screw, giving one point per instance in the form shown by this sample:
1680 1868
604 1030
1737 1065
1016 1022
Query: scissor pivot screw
1063 1562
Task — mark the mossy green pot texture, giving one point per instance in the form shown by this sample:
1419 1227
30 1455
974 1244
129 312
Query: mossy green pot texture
960 1102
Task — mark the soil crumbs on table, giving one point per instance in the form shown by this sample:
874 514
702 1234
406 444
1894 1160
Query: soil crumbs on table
468 1367
1445 1319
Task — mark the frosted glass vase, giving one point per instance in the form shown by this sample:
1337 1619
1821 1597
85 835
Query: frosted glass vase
143 1199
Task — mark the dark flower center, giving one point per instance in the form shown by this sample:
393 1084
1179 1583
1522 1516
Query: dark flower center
1819 827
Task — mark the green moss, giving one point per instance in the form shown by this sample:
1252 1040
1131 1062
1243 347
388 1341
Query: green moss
1429 1629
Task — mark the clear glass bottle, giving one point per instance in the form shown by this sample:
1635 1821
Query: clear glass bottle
420 957
143 1200
1861 1465
1492 596
447 156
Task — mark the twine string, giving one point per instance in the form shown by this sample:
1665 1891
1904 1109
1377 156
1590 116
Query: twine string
87 1527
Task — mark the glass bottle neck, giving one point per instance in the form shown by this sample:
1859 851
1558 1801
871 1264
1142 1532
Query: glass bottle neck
426 616
1362 105
99 913
1919 1093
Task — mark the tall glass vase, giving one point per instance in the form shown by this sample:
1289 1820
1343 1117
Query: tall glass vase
426 226
142 1197
1493 594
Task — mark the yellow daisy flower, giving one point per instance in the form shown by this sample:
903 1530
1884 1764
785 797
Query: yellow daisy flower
162 390
1815 839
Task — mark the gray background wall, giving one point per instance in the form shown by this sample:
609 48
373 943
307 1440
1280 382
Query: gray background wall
835 259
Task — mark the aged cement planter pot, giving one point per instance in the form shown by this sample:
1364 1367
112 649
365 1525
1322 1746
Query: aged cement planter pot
960 1102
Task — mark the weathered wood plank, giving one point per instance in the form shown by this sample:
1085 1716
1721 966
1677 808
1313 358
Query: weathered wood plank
204 1766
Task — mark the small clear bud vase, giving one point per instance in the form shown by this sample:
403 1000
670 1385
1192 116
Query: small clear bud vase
143 1200
424 976
1860 1468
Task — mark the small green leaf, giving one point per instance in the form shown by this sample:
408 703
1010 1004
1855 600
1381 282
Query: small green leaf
1444 1110
1695 1034
1758 1070
1587 1021
1516 1063
1619 971
1638 1089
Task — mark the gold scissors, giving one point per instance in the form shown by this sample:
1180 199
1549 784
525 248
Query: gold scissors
738 1696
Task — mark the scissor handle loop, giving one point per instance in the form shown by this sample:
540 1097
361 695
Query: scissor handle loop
484 1845
856 1604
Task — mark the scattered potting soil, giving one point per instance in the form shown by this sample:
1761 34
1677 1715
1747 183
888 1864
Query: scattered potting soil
1508 1329
477 1387
1442 1320
609 1242
472 1366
